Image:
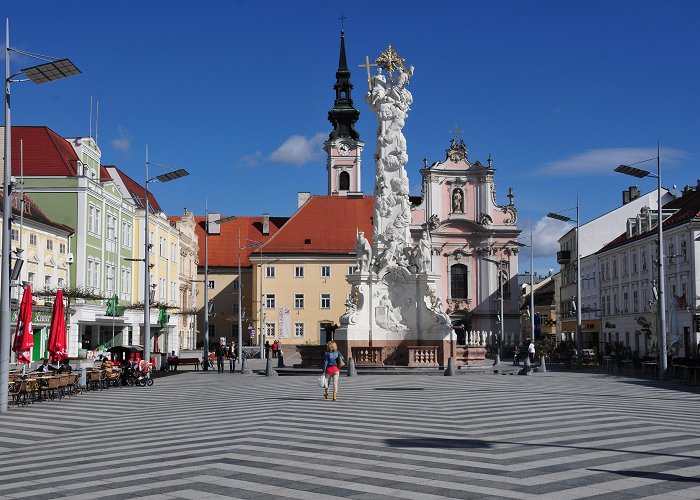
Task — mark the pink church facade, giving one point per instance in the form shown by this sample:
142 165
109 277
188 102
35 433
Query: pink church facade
470 240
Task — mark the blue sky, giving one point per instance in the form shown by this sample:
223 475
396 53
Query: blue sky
238 93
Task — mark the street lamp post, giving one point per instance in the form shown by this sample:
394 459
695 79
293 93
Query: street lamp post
499 263
661 302
205 336
564 218
167 177
528 367
240 288
54 69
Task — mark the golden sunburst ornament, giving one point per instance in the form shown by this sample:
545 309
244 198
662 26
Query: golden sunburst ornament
390 60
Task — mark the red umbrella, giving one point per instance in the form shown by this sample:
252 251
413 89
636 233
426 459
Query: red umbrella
24 334
57 333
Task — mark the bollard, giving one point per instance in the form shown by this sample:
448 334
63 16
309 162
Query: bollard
245 370
280 360
269 371
352 372
450 370
527 369
543 366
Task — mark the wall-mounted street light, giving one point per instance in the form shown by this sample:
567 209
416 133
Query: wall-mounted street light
53 69
564 218
661 303
166 177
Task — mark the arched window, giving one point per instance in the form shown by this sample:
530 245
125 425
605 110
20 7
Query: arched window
458 281
344 181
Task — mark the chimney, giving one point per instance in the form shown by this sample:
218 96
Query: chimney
634 193
266 224
625 197
302 198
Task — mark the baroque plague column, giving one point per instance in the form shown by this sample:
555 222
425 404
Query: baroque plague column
393 314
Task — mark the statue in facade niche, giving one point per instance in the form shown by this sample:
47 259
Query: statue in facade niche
457 201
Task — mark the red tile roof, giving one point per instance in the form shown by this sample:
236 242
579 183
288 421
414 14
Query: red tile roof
137 191
223 248
324 225
45 153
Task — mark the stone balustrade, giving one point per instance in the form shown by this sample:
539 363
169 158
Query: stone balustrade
368 356
423 356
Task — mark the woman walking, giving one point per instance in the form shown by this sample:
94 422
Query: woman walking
332 362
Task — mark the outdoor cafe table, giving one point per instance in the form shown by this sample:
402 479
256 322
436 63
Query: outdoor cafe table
628 366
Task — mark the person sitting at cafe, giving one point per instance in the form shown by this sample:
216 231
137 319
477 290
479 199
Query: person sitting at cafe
44 368
65 366
107 364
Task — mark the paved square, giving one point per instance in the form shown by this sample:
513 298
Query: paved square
204 435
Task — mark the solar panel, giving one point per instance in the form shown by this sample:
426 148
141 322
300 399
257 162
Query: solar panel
51 71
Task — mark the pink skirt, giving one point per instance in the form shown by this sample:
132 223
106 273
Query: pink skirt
332 370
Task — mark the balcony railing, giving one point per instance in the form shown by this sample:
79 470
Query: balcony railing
564 256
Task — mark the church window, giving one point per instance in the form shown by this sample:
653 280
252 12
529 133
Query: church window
344 181
458 289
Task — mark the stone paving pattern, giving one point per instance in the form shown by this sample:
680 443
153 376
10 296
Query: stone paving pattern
203 435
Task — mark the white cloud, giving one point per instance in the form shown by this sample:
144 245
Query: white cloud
249 161
604 161
123 140
546 234
298 150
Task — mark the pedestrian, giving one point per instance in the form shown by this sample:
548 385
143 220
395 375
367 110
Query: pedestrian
531 350
267 348
220 352
516 355
275 348
172 361
232 357
332 362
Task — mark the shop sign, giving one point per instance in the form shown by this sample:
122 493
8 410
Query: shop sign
38 317
610 325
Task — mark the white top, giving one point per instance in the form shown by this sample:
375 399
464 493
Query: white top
531 348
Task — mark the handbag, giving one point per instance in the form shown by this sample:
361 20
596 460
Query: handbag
341 361
323 382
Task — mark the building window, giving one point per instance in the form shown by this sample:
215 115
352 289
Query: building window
31 277
211 284
325 301
62 248
15 235
344 181
644 260
47 281
270 301
269 271
684 250
353 269
269 329
298 329
298 301
635 301
173 252
61 283
163 289
126 283
634 263
614 266
458 281
49 244
32 240
298 271
163 248
111 227
126 234
237 283
325 271
109 277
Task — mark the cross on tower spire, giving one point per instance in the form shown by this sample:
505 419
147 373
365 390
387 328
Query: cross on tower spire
456 132
342 19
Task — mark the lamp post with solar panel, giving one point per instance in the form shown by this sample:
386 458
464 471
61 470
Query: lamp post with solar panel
52 69
579 337
167 177
661 301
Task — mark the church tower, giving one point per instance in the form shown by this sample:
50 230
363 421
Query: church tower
343 146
